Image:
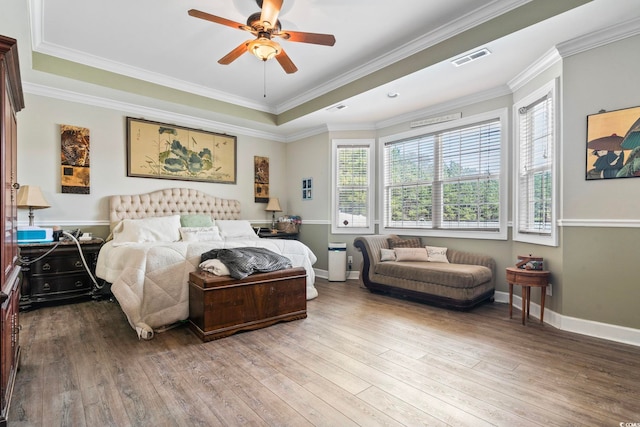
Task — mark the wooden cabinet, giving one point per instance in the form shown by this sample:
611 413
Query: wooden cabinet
11 101
56 271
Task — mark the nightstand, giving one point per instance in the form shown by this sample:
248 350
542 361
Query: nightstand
278 235
527 279
58 275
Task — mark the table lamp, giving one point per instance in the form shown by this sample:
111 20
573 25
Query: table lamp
273 206
30 196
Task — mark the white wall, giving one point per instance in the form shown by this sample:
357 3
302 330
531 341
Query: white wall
39 164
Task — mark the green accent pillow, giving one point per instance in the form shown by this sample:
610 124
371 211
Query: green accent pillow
196 220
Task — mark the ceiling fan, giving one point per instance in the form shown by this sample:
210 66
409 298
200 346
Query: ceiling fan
265 26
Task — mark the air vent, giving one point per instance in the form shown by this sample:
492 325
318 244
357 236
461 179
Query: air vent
337 107
471 57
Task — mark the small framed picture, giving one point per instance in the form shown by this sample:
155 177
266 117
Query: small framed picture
306 188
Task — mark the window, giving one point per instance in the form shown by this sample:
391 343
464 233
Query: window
535 180
353 181
447 180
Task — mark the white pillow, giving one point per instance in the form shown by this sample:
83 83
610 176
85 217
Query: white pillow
437 254
236 229
200 234
387 254
154 229
411 254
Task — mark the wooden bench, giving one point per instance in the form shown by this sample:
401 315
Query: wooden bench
220 305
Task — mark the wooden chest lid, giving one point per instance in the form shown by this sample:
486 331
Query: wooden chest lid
204 279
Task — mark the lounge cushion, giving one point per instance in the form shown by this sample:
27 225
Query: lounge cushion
452 275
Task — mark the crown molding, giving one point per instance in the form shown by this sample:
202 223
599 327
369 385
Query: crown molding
145 75
599 38
419 44
307 133
38 44
148 112
543 63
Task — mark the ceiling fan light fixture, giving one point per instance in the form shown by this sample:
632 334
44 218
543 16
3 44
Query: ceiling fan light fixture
264 49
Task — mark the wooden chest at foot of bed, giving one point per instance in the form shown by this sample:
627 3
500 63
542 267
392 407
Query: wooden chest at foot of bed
220 305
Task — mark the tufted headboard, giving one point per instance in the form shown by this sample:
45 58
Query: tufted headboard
171 201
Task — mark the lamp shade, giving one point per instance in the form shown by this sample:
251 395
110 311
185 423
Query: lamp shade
273 205
30 196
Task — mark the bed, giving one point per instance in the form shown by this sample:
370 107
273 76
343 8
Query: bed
158 238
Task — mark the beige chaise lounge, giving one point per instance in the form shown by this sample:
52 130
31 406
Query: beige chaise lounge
466 281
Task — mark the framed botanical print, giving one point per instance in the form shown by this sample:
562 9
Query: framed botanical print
159 150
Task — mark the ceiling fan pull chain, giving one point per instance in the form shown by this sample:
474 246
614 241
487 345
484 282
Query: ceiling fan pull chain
264 84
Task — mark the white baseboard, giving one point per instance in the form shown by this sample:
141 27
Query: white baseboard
324 274
591 328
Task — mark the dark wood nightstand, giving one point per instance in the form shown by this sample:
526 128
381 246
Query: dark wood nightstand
58 275
278 235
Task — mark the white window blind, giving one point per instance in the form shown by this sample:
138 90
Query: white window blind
447 180
353 186
535 166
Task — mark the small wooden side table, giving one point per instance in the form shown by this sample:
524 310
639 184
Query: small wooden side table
527 279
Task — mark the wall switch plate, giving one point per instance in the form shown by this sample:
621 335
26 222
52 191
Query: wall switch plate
549 290
350 259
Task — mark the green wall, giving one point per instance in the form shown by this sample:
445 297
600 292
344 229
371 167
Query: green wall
599 225
599 280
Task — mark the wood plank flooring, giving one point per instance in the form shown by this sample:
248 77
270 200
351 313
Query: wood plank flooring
359 359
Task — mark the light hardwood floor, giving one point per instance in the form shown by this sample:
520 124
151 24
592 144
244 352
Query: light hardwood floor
358 359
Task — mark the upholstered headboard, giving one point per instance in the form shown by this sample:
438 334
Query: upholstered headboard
171 201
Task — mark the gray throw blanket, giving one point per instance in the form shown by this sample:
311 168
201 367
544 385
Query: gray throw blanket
242 262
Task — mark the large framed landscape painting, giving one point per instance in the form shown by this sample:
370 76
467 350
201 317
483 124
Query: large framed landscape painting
613 144
158 150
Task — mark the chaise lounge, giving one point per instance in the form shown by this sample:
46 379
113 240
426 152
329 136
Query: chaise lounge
461 280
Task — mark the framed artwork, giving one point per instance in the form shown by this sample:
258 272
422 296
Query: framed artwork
75 173
261 179
306 188
158 150
613 144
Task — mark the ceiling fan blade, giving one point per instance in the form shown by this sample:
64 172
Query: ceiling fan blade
286 62
270 11
234 54
314 38
218 20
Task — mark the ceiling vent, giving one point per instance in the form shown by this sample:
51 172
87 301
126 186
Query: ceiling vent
471 57
337 107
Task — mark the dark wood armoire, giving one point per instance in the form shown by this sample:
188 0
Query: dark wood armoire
11 101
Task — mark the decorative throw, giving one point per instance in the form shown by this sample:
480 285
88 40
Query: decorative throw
242 262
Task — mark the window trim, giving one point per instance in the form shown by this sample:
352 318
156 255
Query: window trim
550 239
370 144
502 234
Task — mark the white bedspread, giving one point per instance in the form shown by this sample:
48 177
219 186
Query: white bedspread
151 280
